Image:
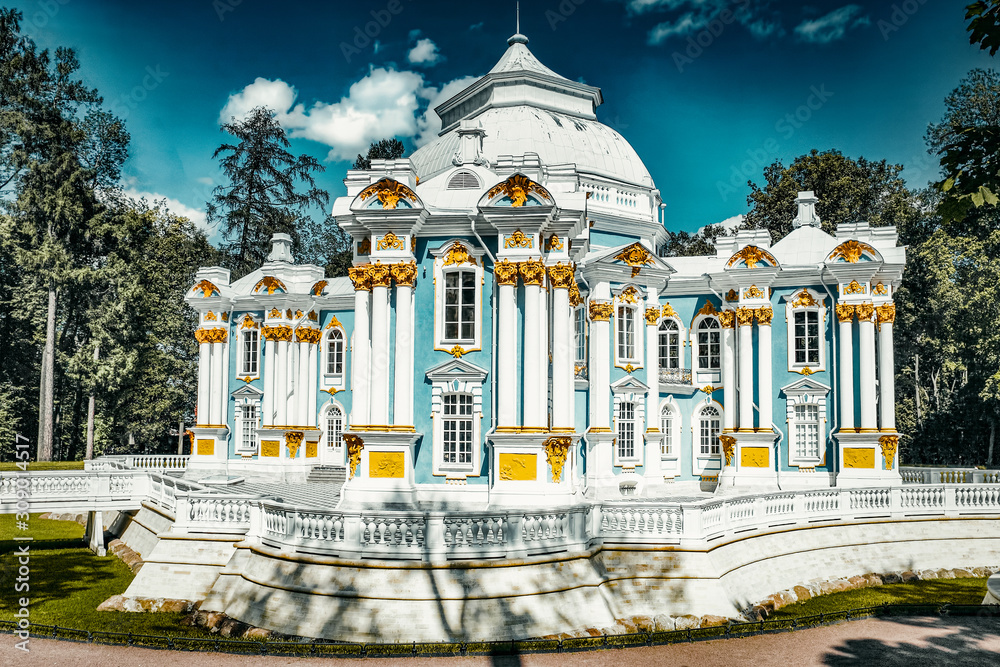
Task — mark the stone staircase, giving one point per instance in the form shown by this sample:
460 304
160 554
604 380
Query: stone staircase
327 475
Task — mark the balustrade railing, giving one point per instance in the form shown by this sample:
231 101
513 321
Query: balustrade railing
675 375
913 475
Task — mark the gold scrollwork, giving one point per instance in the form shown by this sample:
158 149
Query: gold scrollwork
206 287
764 315
635 256
601 311
505 272
404 274
390 242
519 240
707 309
629 368
276 333
365 246
517 188
727 319
210 316
851 251
889 443
298 314
308 335
728 448
334 322
753 292
804 300
361 277
652 315
313 316
751 255
554 244
271 283
213 335
744 316
275 314
880 289
845 312
225 317
708 389
293 439
805 371
556 449
668 310
629 295
389 192
248 322
380 276
317 289
575 299
354 446
532 272
457 351
562 276
865 312
732 295
886 313
458 254
288 313
855 288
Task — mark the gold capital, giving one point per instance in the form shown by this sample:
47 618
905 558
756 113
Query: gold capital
652 315
764 315
845 312
380 276
744 316
562 276
886 313
532 272
505 272
601 311
865 312
361 277
404 274
727 319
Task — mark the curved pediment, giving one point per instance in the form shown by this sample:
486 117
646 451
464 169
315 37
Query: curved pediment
386 194
517 191
751 257
853 251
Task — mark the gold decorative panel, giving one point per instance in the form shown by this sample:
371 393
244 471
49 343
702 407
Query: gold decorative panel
859 457
518 467
270 448
386 464
206 447
311 450
755 457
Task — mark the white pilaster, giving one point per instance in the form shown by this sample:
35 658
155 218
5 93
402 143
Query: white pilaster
600 361
360 348
313 378
886 376
215 401
270 363
846 363
534 345
281 383
764 414
204 383
301 398
651 465
402 411
729 373
562 360
746 369
866 383
380 355
507 355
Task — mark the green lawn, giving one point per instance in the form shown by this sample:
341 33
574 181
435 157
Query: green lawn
934 591
68 581
43 465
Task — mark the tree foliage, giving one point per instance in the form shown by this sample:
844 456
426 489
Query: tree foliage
984 24
384 149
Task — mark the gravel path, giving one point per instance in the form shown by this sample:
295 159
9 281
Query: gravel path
910 642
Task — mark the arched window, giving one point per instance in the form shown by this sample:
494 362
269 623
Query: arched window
625 325
709 345
670 345
335 353
625 426
334 427
463 180
709 427
667 443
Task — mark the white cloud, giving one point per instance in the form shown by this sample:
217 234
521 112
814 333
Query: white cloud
205 180
729 224
682 26
424 53
276 95
715 16
430 124
477 26
195 215
831 27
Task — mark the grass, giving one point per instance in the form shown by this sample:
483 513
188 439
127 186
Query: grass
67 583
34 466
934 591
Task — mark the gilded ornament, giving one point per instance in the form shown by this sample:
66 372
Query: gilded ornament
293 439
854 288
390 242
668 310
517 188
225 317
404 274
275 314
276 333
751 255
732 295
728 448
804 300
629 368
270 448
206 288
456 351
635 256
312 316
505 272
317 289
554 244
886 313
271 283
361 277
532 272
851 251
727 319
413 244
708 389
354 446
365 246
210 316
865 312
575 299
845 312
707 309
880 289
556 449
629 295
214 335
380 276
744 316
806 371
764 315
562 276
389 192
386 464
601 311
334 322
288 313
458 254
652 315
519 240
298 314
248 322
308 335
888 443
754 292
332 391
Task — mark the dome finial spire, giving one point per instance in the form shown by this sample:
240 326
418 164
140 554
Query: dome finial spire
517 37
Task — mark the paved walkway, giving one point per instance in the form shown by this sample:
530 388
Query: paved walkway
910 642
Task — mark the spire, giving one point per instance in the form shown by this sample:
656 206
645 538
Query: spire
517 37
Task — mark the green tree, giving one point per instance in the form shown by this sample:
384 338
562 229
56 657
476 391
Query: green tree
683 244
984 24
326 245
384 149
269 190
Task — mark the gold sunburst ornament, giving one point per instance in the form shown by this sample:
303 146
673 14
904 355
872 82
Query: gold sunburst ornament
519 240
388 192
517 188
635 256
751 255
851 251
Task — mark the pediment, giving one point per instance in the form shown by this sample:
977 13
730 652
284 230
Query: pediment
805 385
629 383
247 391
456 369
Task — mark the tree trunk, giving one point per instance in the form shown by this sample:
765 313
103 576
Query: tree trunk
916 388
46 391
91 405
993 433
180 438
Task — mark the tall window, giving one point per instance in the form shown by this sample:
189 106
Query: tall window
626 430
460 305
670 345
580 335
709 426
248 427
334 428
625 323
457 429
807 431
806 336
251 346
335 353
709 344
667 431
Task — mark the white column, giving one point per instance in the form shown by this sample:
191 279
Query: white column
402 410
562 358
651 465
728 371
507 349
224 387
764 420
281 382
270 363
215 400
866 383
302 385
744 317
534 400
313 379
886 369
600 362
380 349
204 383
360 347
845 313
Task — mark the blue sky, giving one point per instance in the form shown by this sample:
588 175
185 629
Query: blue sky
707 91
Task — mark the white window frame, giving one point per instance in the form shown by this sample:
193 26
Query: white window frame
333 379
459 401
629 389
456 376
800 422
621 422
246 397
241 373
580 334
632 311
705 463
821 315
806 391
324 415
440 270
679 332
698 374
670 432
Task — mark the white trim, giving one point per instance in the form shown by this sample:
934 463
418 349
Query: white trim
630 390
702 463
440 342
806 392
456 376
701 376
822 320
335 456
330 379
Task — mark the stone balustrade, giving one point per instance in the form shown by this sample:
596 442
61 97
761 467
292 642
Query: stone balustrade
65 490
913 475
154 462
